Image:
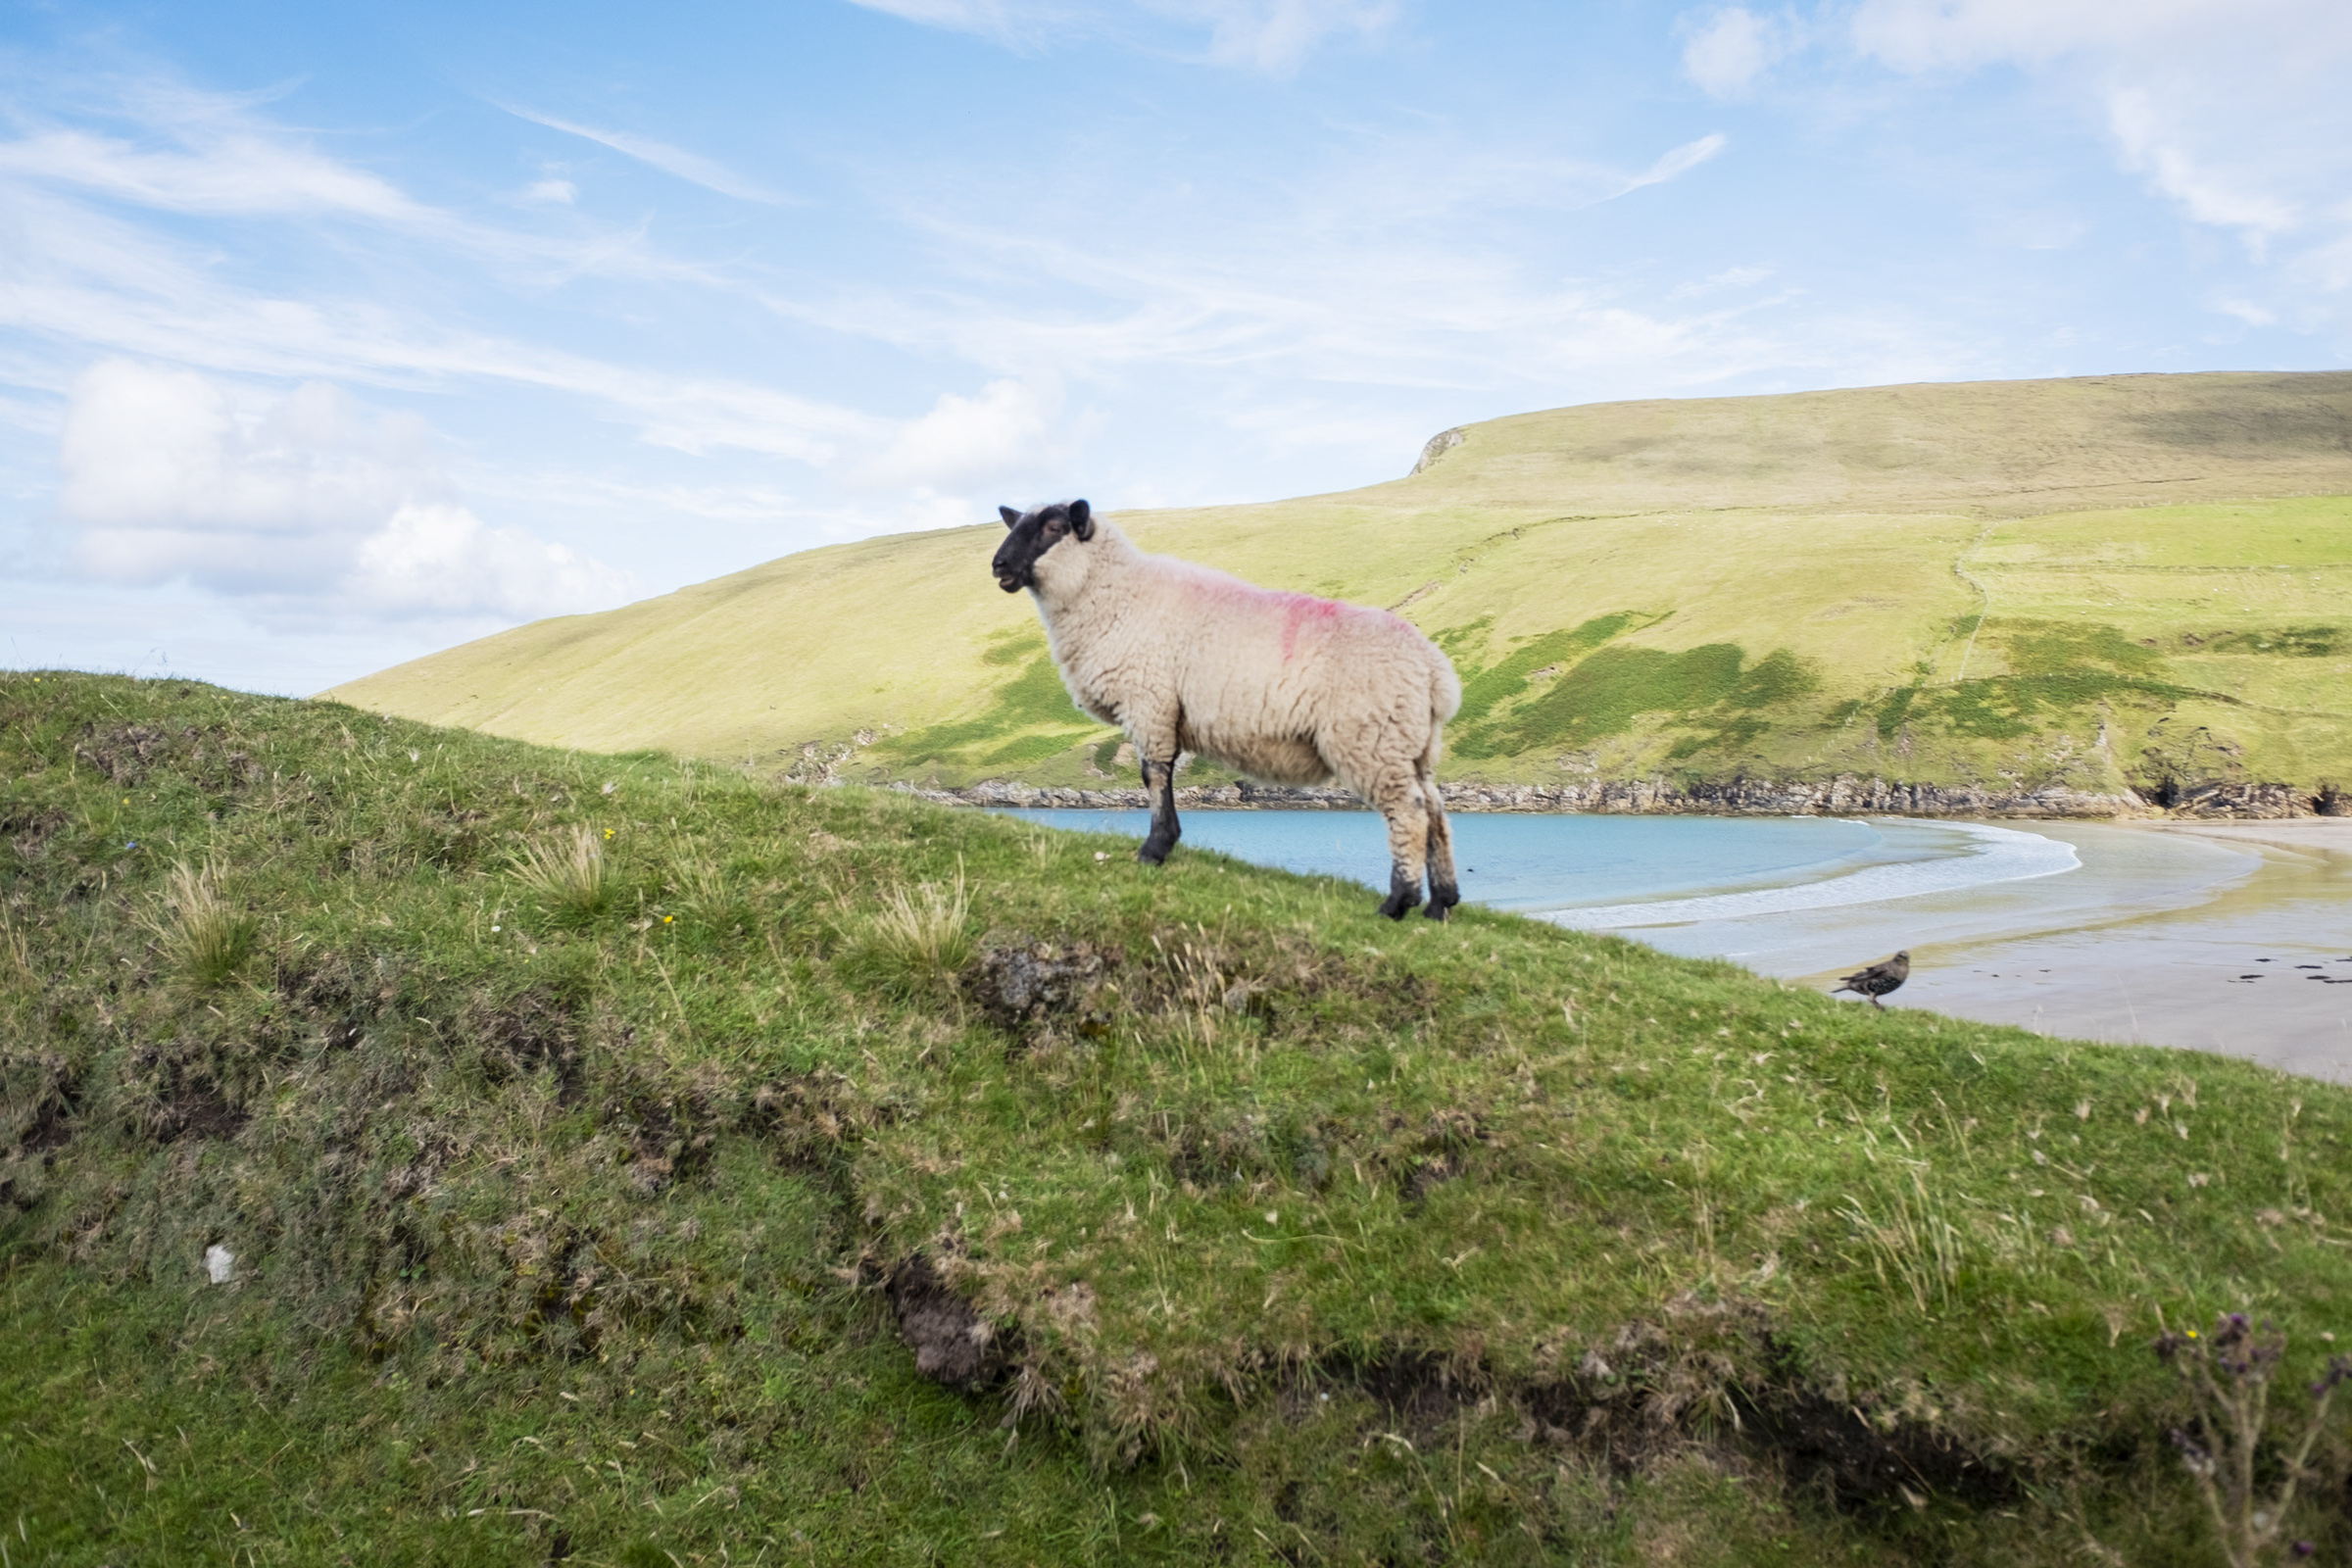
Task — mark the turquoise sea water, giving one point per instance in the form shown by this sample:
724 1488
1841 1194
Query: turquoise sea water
1584 865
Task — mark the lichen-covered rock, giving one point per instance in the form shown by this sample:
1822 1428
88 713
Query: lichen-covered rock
1038 982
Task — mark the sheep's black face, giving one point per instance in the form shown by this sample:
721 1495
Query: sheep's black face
1032 534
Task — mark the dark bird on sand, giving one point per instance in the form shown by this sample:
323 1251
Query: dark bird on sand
1879 980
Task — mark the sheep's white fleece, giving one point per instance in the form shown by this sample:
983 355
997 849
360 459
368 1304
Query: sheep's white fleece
1282 686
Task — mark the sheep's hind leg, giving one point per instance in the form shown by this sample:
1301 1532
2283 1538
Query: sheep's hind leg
1443 891
1166 829
1398 799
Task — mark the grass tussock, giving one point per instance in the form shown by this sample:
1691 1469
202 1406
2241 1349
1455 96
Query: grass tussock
922 1184
207 937
1912 1244
567 874
926 930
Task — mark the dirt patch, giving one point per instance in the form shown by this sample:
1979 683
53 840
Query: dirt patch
1420 1393
808 1120
1040 989
32 1144
1862 1465
28 831
50 1086
1691 1380
1442 1152
529 1032
334 993
670 1127
52 1124
129 753
197 1109
953 1346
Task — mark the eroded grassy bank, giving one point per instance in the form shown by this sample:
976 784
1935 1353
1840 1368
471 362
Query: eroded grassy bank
602 1144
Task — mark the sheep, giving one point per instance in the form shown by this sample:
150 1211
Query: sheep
1283 687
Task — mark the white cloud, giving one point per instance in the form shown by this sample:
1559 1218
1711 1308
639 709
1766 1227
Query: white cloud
1938 34
1725 51
304 507
167 478
965 444
439 560
2151 138
553 190
693 168
2235 109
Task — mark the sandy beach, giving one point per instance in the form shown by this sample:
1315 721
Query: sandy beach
2232 937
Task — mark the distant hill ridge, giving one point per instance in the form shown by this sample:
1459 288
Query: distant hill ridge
2005 595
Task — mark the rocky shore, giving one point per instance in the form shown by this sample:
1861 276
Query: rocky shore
1843 796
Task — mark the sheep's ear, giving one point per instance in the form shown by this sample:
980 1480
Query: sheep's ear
1012 518
1082 520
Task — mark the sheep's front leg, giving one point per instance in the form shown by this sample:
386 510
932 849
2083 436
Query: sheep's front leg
1160 780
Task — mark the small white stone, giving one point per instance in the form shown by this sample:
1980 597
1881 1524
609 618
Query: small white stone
219 1263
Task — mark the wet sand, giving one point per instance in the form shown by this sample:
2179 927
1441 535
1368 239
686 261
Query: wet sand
2232 937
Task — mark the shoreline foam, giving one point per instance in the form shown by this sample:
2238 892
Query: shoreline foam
2010 856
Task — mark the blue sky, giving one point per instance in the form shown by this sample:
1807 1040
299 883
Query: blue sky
330 336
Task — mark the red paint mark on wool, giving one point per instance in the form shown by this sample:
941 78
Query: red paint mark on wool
1299 611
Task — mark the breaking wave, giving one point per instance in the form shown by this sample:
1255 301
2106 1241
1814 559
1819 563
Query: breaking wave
2004 854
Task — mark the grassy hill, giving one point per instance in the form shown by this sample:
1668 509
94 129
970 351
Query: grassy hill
2098 584
626 1161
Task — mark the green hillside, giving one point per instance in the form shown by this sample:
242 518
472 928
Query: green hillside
621 1162
2090 585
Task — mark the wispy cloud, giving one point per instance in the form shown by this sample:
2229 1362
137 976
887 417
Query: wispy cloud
92 279
226 172
2235 109
1679 161
1003 23
1271 36
693 168
1276 36
1366 272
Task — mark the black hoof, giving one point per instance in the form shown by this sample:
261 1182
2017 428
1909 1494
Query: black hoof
1153 854
1442 900
1402 895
